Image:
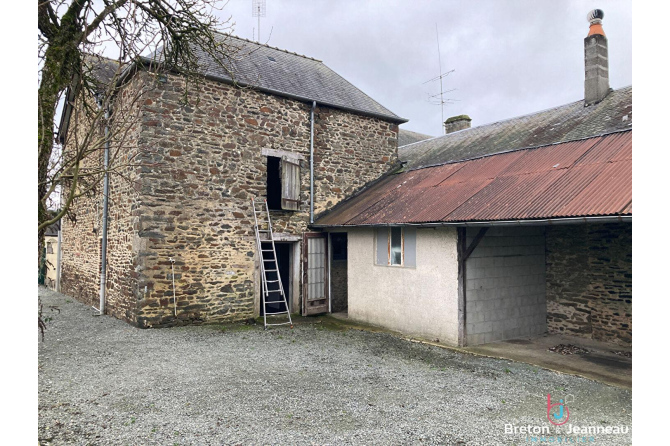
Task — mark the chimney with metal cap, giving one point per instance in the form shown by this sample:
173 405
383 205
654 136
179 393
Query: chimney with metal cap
456 123
596 82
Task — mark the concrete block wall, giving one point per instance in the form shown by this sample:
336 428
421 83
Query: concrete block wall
506 285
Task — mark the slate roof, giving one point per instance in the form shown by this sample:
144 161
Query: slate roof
99 71
585 178
282 72
408 137
52 230
565 123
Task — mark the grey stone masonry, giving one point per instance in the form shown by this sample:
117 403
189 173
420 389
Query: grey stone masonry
590 281
456 123
195 167
596 81
505 285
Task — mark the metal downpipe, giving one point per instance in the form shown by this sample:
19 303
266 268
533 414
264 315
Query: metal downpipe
311 164
105 202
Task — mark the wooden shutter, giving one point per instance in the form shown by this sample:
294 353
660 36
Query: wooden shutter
290 183
409 246
382 257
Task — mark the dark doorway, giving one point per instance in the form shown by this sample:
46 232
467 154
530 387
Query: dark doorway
338 272
284 254
274 183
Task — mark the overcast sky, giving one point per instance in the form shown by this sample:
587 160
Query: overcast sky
511 57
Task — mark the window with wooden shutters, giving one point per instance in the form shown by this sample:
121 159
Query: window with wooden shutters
290 183
395 246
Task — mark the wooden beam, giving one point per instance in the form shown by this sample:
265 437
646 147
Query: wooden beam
475 242
460 250
281 153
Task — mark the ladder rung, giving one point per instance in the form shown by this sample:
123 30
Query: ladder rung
280 312
270 270
271 281
268 250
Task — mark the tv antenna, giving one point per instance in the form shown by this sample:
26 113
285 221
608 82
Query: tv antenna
438 99
258 10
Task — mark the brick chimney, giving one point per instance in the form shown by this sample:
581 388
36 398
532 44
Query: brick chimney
456 123
597 81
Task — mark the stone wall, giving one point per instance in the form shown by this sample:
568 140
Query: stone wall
505 285
589 281
81 236
51 246
203 164
338 285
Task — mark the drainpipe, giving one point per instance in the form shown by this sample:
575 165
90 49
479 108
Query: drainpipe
58 256
311 164
105 196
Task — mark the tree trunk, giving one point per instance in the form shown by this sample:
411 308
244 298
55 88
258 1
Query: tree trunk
47 99
61 61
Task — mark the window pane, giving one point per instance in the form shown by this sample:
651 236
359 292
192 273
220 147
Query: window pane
396 246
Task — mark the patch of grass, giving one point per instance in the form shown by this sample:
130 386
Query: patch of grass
232 328
508 371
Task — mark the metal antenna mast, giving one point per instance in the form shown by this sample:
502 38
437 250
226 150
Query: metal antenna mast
439 59
258 10
442 75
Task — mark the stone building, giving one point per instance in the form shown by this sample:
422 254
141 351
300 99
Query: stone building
488 233
506 230
195 168
51 257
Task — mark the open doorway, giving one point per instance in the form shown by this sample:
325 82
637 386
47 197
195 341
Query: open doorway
284 262
338 272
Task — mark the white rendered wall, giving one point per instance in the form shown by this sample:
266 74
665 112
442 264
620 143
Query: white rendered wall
420 301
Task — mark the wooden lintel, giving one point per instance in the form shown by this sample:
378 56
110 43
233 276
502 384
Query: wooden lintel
281 153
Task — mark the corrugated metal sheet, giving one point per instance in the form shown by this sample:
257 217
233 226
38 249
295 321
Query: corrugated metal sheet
590 177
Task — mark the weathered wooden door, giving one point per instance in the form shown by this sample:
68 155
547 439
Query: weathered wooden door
315 273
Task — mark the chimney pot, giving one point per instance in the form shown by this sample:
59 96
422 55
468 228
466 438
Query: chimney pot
456 123
596 65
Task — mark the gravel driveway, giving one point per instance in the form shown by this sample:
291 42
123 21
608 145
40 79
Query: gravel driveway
102 381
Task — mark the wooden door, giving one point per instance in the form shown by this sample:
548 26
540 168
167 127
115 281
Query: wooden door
315 298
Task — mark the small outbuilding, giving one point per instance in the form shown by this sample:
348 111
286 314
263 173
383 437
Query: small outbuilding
502 231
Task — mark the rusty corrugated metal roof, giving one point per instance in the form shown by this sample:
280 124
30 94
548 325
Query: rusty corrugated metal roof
589 177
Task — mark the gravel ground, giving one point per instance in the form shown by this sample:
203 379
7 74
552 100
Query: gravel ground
102 381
